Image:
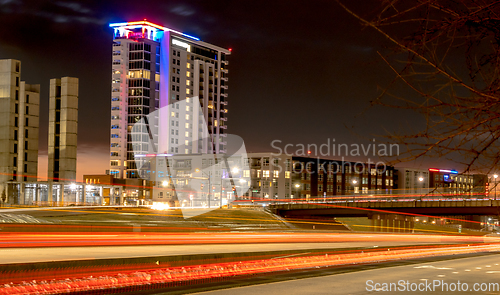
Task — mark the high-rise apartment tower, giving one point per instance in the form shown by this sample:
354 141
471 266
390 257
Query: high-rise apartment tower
154 68
63 129
19 116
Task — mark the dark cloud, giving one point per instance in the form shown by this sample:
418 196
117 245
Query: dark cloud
182 10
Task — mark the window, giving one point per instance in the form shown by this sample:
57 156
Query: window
16 108
26 123
15 135
287 174
246 173
276 173
27 110
15 162
265 173
266 161
26 133
25 156
330 177
320 177
320 187
15 147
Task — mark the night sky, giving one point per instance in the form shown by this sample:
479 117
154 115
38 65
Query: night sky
300 72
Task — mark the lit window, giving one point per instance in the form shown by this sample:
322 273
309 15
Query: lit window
187 108
173 114
187 134
187 117
276 173
187 125
265 173
188 65
188 74
246 173
287 174
187 91
188 82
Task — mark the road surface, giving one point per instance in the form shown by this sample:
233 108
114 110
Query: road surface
481 272
32 255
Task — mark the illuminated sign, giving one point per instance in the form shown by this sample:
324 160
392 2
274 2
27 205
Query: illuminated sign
181 44
152 155
443 171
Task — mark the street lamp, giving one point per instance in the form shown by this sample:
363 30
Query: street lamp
421 179
495 176
209 186
297 186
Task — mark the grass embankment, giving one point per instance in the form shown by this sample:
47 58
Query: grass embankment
144 219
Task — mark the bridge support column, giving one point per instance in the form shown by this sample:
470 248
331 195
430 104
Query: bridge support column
397 224
409 224
376 222
386 226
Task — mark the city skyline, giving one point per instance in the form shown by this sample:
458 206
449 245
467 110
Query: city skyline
293 94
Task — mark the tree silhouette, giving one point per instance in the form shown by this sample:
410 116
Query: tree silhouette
447 53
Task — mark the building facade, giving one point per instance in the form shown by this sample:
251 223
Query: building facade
290 177
412 181
450 181
154 68
63 129
19 123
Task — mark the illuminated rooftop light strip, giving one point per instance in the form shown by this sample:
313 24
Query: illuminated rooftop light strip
146 23
152 155
443 170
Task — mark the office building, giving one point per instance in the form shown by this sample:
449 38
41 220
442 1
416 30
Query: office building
412 180
63 129
154 70
19 116
450 181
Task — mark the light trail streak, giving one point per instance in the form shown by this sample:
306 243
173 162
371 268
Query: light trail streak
172 276
65 239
